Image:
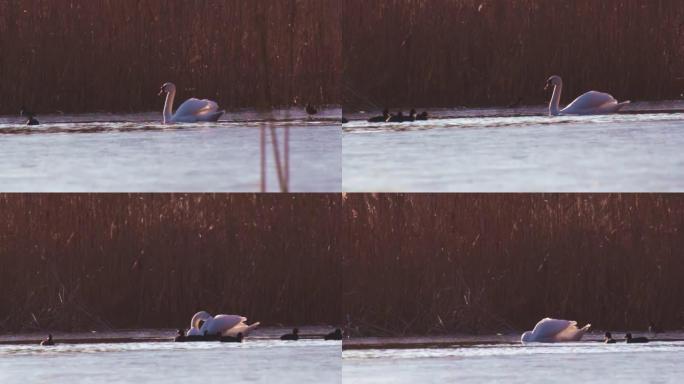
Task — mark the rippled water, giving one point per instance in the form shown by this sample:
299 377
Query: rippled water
518 151
656 362
257 360
135 153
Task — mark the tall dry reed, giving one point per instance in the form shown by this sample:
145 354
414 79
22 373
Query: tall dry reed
98 261
113 55
445 53
483 263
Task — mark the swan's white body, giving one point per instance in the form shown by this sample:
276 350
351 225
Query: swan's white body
590 103
227 325
191 111
554 331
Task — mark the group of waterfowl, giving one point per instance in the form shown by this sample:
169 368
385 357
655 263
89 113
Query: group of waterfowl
589 103
191 111
608 339
233 329
230 329
399 117
194 110
334 335
182 337
557 331
223 328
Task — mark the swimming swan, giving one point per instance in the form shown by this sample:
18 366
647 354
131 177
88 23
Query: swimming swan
554 331
227 325
191 111
590 103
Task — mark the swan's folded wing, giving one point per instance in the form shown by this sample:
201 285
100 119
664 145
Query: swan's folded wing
223 323
241 328
571 333
549 328
196 107
591 100
210 107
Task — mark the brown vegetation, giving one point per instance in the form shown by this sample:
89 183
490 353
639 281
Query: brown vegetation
446 53
78 262
470 263
113 55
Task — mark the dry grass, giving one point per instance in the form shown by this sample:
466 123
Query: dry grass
472 263
79 262
113 55
435 53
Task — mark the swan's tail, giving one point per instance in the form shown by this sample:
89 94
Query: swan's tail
210 117
580 333
250 328
620 105
213 117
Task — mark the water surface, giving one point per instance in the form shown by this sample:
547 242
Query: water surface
518 150
135 153
259 359
589 362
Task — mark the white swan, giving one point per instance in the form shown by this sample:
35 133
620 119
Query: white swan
590 103
228 325
191 111
554 331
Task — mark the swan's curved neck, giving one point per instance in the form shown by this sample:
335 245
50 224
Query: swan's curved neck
168 106
554 106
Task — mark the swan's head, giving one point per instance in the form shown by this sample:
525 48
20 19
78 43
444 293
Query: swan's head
527 337
553 81
167 88
199 318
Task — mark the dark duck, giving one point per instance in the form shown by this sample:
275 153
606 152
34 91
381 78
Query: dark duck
30 116
311 110
608 338
635 340
291 336
47 342
334 335
380 119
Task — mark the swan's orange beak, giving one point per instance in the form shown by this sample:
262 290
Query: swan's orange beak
161 92
547 86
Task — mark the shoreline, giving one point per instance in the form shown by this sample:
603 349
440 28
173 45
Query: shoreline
270 333
465 341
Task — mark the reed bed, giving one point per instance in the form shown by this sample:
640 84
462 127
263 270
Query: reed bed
113 55
447 53
421 264
94 261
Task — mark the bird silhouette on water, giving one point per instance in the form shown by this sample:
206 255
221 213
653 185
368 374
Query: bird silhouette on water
30 116
635 340
48 342
380 119
230 339
608 338
291 336
311 110
334 335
